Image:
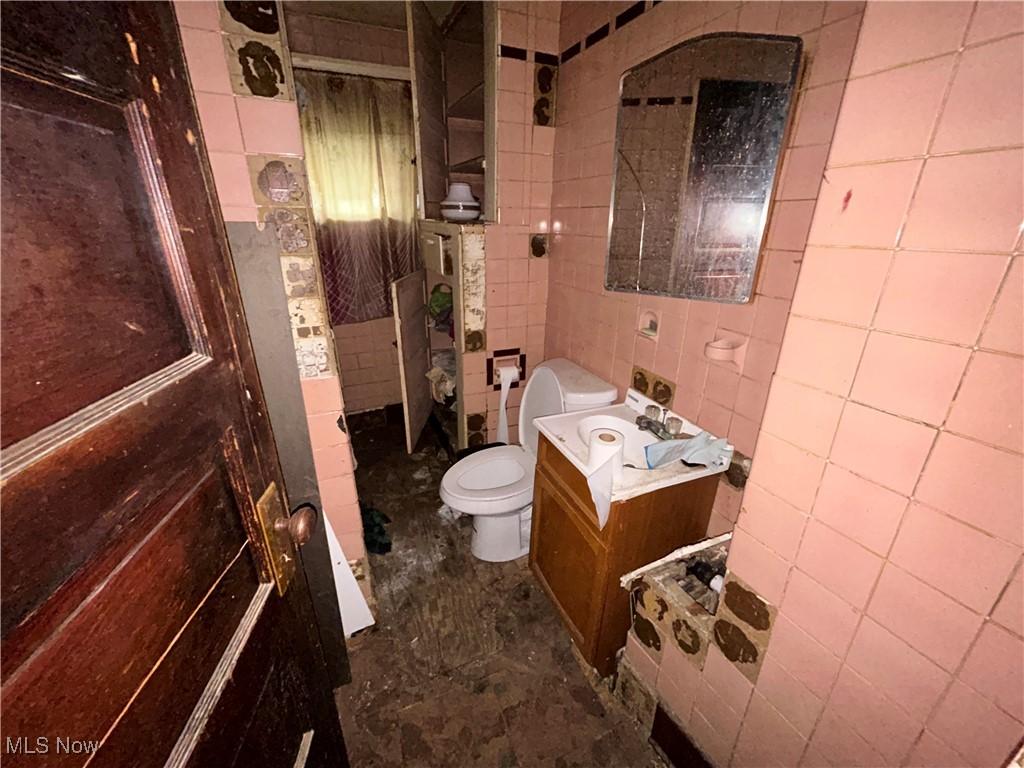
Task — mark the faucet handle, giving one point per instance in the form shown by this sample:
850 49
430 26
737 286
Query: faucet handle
652 412
674 426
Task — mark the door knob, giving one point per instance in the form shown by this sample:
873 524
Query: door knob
299 525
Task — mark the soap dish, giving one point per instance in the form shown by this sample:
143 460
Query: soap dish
726 351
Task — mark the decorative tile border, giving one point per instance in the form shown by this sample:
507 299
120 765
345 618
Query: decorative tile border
622 19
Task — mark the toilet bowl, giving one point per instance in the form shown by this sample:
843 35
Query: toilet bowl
495 485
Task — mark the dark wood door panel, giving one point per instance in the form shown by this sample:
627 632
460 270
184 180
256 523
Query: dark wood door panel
84 271
138 438
128 623
244 730
150 728
48 534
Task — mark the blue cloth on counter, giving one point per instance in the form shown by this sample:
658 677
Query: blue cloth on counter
702 449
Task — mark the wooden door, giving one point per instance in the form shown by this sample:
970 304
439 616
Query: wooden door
409 297
140 620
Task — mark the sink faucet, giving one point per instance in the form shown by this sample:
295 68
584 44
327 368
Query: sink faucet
650 423
664 428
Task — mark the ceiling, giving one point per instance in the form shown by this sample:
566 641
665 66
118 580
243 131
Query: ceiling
380 13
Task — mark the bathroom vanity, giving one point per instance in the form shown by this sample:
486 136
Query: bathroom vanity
579 563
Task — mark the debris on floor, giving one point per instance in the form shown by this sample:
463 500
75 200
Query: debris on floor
448 514
469 665
375 535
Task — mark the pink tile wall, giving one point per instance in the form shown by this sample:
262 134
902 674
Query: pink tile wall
332 456
368 360
597 328
235 126
884 510
517 284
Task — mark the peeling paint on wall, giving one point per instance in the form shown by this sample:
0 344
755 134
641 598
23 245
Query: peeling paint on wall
474 290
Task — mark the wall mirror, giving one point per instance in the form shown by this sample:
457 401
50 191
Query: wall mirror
699 142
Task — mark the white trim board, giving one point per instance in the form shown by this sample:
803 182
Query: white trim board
350 67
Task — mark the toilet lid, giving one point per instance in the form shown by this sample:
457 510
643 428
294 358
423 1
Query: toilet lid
494 474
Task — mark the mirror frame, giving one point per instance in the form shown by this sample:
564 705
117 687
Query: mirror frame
796 73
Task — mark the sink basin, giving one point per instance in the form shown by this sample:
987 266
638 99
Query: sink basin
635 439
569 433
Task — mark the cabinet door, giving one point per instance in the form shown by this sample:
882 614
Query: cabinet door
569 561
409 297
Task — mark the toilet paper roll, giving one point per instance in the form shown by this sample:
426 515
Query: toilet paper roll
507 376
604 469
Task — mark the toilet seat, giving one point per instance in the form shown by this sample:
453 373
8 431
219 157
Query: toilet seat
494 481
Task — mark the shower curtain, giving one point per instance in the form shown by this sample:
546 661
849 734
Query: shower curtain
358 137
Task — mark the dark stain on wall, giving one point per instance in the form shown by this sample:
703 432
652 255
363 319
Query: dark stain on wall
646 633
687 637
747 606
734 644
261 68
259 16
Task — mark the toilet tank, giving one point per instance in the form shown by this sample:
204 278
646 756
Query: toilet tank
559 386
581 390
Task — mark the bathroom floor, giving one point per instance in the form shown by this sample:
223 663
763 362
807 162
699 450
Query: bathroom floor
468 664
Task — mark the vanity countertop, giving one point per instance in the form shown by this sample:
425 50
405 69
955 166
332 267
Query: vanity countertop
563 431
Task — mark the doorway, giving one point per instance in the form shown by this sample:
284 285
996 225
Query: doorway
360 152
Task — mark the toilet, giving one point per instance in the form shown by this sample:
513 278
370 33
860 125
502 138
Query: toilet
495 485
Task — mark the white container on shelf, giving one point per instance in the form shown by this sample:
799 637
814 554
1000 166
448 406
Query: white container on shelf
460 205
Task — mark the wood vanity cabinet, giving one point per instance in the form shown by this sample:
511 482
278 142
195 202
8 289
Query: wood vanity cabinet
579 564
